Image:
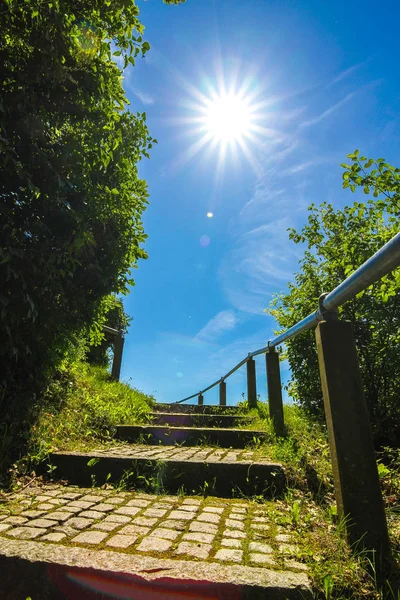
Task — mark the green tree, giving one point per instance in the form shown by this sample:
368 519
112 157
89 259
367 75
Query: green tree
336 243
70 196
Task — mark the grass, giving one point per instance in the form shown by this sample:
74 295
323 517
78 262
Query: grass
310 508
79 410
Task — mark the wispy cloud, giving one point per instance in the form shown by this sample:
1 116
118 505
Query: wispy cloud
345 73
223 322
328 112
143 97
305 165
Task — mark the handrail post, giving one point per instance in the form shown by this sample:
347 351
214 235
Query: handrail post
251 383
274 387
200 399
117 358
355 473
222 393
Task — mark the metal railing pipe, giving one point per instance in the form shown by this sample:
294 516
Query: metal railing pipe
380 264
108 329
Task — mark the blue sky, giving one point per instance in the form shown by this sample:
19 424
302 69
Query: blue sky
321 79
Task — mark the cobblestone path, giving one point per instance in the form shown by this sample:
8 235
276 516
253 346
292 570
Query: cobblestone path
235 544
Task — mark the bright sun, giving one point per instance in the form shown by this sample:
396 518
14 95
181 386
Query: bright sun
227 118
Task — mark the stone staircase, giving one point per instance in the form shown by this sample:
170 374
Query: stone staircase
179 523
187 449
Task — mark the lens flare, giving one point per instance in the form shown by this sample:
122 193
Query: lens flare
204 241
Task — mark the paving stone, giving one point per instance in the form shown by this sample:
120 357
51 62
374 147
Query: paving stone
53 493
146 496
168 534
81 504
92 514
134 530
70 531
42 523
57 501
45 506
92 498
154 512
203 527
71 495
121 541
197 536
128 510
90 537
231 543
260 520
234 534
161 505
173 524
229 555
239 509
258 547
16 520
117 519
193 501
144 521
42 498
153 544
194 550
208 517
262 559
236 517
106 526
284 537
290 549
234 524
259 527
79 523
138 502
5 526
181 515
26 533
104 507
54 536
214 509
33 514
71 509
59 515
189 508
294 564
115 500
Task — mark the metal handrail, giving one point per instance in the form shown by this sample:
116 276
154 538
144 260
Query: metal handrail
385 260
108 329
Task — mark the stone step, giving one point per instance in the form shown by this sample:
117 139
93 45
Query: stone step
189 436
223 473
198 420
65 542
195 408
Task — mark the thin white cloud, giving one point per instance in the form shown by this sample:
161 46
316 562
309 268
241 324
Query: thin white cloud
305 165
143 97
223 322
345 74
328 112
